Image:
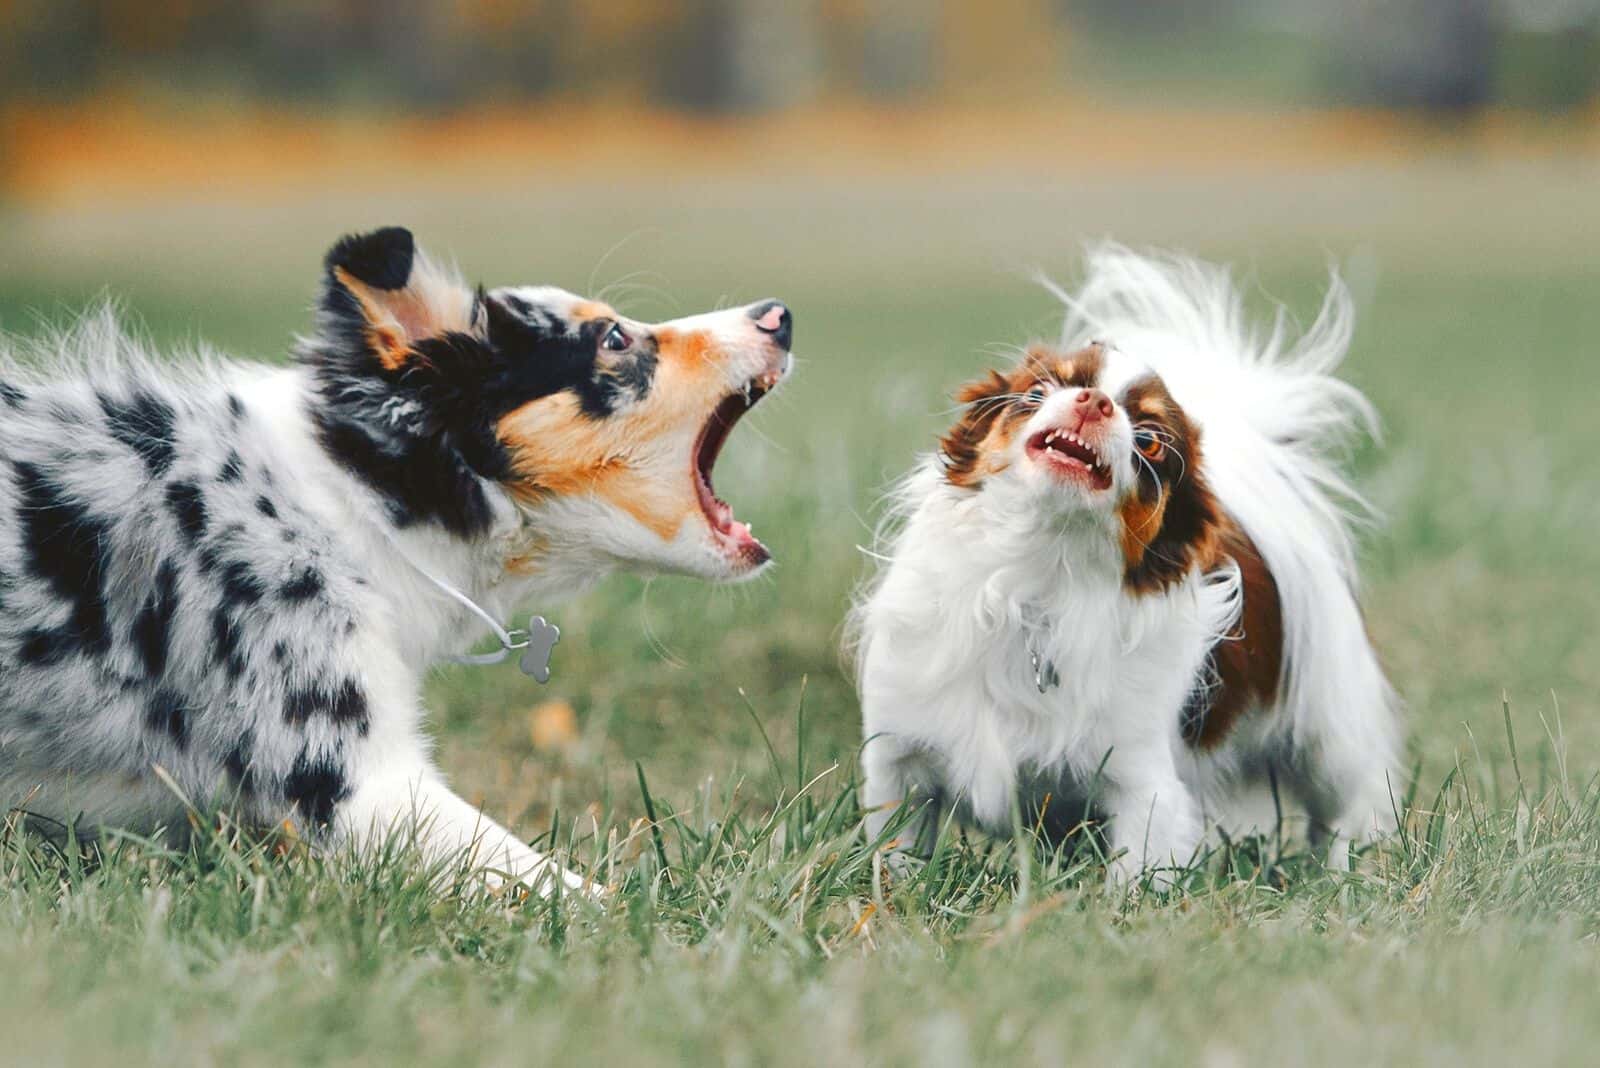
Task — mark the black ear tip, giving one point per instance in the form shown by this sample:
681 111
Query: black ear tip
381 258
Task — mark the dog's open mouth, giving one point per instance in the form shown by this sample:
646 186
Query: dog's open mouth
1069 456
731 534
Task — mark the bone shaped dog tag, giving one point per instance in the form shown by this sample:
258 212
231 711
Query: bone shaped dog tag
542 638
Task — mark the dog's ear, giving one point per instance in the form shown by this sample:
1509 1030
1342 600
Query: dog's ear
384 296
982 401
381 259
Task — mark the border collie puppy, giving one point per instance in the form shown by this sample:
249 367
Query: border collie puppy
1124 589
229 579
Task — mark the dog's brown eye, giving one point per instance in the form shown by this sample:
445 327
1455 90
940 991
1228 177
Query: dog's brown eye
1037 392
615 340
1148 443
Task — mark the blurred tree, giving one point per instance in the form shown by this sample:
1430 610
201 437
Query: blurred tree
754 55
897 47
991 47
1435 55
53 49
742 55
1550 56
1152 16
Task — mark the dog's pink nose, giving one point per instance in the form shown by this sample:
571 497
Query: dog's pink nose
1092 404
771 317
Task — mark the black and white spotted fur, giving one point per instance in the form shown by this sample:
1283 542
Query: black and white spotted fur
216 568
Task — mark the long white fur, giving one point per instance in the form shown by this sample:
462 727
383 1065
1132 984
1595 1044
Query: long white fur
978 579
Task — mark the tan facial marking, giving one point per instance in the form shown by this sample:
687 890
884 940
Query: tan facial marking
589 310
691 347
1141 520
636 462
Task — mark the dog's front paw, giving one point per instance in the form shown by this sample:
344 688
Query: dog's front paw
1126 877
1122 874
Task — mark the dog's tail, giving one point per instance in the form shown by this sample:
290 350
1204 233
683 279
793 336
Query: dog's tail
1251 389
1277 430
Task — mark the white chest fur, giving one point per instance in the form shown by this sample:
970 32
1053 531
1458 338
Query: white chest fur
948 672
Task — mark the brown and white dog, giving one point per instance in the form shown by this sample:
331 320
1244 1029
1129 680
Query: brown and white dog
1124 587
239 573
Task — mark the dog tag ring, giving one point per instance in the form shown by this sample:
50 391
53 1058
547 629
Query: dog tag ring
542 638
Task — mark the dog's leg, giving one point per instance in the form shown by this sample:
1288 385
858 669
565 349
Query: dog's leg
1153 820
895 775
1351 801
448 828
1345 762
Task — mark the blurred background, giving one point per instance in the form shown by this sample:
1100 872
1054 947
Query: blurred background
740 56
896 170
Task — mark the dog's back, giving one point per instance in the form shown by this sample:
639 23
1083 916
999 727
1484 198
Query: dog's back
144 513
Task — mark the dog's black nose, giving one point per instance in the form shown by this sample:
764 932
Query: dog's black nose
773 318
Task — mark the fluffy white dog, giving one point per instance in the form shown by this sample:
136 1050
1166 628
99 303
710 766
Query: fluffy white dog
1124 588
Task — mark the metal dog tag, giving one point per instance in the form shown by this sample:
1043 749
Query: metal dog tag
542 638
1044 673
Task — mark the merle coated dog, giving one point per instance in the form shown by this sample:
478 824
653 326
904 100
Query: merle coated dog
224 581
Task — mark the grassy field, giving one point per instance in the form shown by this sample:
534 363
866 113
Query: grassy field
749 927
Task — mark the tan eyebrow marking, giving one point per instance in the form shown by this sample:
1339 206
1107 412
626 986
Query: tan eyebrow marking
588 310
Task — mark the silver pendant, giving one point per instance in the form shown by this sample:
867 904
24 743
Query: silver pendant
541 638
1044 673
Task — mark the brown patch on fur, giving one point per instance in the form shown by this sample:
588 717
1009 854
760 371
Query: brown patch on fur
558 451
695 346
1247 668
638 462
1170 522
993 409
1154 408
1081 368
985 401
1141 522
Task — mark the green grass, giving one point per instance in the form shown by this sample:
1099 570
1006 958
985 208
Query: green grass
750 925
